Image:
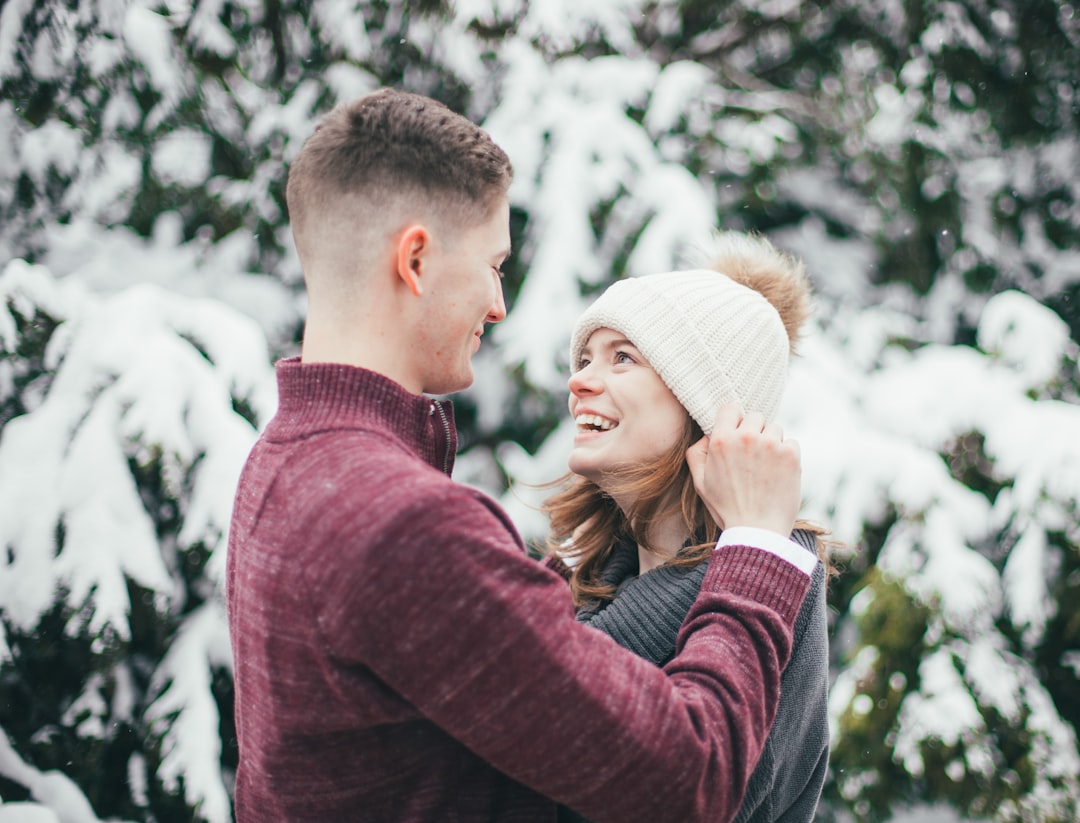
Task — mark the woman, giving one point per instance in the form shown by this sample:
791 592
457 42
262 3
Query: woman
653 359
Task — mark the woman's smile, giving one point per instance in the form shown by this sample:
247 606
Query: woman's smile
624 413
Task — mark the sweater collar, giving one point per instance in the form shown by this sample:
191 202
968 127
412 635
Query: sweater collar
317 397
622 569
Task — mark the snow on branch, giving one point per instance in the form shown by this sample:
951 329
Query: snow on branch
62 800
145 381
185 715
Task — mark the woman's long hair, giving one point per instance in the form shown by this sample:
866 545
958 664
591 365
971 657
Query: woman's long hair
587 523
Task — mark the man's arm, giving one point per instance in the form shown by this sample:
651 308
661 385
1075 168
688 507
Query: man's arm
482 640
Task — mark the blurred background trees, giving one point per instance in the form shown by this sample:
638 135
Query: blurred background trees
921 156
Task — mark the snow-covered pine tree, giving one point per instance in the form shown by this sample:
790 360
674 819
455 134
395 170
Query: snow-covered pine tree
919 156
126 420
961 490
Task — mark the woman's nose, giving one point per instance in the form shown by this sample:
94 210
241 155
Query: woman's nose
584 381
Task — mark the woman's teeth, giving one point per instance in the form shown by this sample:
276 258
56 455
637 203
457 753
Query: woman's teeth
594 422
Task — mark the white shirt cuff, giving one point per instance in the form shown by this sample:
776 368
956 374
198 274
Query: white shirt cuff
771 542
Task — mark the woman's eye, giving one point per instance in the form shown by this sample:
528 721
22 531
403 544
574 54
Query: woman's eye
582 363
623 357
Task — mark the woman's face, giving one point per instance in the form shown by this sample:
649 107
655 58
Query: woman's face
625 414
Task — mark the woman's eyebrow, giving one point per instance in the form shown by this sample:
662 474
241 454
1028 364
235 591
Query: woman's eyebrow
607 345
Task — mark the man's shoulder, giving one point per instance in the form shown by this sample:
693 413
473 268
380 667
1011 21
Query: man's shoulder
360 458
346 451
368 475
343 470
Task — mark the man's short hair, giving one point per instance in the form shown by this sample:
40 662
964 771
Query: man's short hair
391 145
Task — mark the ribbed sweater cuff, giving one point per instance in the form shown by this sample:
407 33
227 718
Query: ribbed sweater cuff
758 575
770 541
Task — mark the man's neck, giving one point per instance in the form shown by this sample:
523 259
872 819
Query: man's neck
365 346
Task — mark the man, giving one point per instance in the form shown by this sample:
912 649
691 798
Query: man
398 657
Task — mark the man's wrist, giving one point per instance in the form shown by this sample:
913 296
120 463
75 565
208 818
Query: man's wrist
771 542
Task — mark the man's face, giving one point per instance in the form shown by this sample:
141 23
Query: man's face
463 293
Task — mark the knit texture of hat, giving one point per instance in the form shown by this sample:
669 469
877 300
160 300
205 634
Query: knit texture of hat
711 340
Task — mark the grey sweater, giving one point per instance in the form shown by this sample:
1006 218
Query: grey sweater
645 617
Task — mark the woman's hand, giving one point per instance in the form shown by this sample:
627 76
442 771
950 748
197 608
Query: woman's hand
747 473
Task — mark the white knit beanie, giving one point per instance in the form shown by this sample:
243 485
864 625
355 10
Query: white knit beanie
711 340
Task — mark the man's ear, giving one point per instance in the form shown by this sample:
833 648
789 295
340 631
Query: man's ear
413 246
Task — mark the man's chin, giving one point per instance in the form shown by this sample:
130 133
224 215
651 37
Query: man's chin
451 384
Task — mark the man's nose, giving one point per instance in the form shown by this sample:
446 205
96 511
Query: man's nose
497 312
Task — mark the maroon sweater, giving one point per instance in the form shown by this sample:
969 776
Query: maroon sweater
399 657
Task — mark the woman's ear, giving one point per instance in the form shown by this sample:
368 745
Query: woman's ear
413 246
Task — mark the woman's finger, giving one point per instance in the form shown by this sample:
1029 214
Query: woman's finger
728 417
754 421
774 431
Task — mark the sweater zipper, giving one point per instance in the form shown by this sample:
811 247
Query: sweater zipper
446 432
